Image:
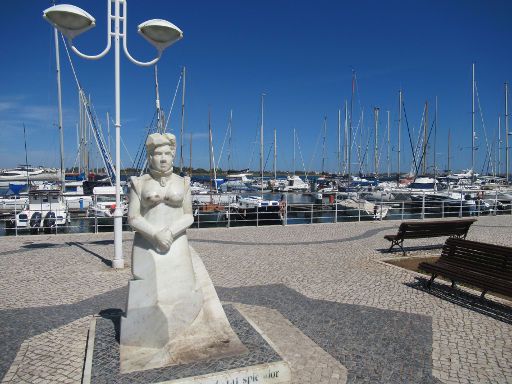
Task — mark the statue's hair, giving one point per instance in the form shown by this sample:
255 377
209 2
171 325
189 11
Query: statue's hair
158 139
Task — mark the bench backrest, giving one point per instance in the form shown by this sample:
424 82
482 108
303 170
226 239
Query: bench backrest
494 260
418 229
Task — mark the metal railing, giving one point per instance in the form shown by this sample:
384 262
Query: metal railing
292 209
77 216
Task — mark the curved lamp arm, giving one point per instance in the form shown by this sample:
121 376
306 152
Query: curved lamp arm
125 46
141 63
109 39
93 57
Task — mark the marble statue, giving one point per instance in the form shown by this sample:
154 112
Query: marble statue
173 313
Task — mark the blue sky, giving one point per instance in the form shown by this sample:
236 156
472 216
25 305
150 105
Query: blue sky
299 53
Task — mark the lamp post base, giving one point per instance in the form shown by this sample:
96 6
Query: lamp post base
118 264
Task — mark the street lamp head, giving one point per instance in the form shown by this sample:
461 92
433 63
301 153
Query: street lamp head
70 20
160 33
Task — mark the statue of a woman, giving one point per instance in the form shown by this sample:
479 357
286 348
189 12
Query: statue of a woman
173 313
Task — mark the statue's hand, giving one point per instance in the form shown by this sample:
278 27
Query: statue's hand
163 239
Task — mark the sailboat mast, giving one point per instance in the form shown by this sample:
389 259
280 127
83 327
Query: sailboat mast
435 140
323 144
473 121
108 131
449 150
399 134
159 119
339 142
350 126
26 154
261 142
293 165
376 142
229 139
499 146
190 160
345 147
182 117
359 147
425 139
507 133
388 158
275 154
59 100
210 142
79 134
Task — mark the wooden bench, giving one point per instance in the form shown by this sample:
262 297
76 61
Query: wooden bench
432 228
486 266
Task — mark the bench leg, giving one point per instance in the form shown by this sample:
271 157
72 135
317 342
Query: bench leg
429 284
401 247
482 295
398 243
454 285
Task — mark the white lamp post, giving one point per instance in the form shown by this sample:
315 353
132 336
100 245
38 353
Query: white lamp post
72 21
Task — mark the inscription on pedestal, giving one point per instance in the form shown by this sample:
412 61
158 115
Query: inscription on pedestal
274 373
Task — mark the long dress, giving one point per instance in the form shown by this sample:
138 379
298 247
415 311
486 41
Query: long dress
173 312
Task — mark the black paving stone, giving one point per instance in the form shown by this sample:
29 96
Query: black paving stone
105 368
373 344
17 325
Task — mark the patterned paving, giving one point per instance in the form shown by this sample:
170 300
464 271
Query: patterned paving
366 320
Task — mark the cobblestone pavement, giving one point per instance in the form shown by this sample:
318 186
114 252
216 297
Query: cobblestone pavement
369 321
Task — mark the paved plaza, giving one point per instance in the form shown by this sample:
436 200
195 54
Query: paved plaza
321 293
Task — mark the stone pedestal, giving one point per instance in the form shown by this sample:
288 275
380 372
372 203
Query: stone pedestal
260 364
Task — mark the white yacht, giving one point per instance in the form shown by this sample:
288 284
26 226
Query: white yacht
13 203
295 184
421 185
362 208
236 182
75 197
22 173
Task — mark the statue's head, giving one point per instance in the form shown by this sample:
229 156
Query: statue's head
161 149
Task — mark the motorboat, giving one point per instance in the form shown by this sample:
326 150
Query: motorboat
236 182
421 185
13 203
295 184
255 208
75 197
101 211
24 173
362 208
197 188
46 210
450 202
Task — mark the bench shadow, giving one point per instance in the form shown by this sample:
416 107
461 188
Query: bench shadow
114 315
495 310
105 261
397 250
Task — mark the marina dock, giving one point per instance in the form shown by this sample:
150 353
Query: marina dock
324 293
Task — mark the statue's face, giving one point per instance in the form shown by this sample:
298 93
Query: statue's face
161 158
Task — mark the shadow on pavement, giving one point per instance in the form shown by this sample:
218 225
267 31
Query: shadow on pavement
465 299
